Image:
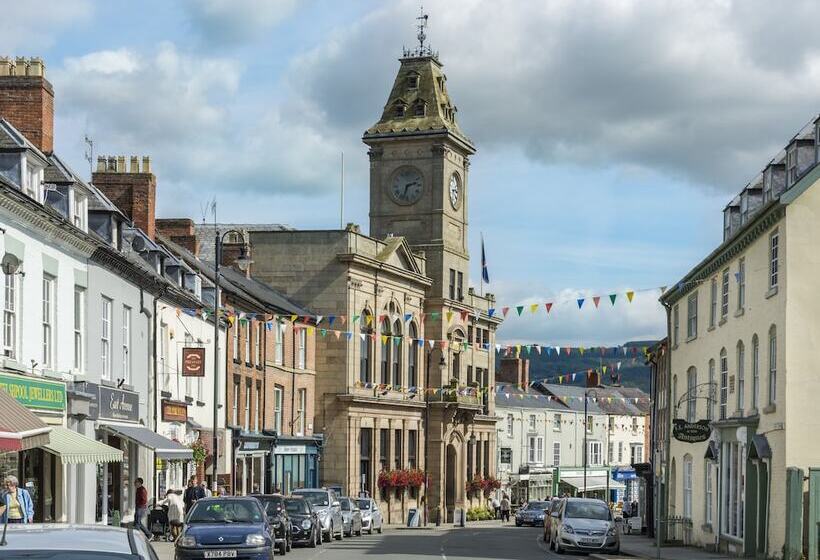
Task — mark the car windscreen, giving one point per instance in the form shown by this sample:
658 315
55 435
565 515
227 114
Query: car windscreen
364 504
273 505
346 505
538 505
225 511
318 499
587 510
297 507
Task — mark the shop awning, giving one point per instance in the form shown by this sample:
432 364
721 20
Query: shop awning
73 448
593 483
19 427
162 446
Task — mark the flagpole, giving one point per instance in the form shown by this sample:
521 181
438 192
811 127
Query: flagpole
483 264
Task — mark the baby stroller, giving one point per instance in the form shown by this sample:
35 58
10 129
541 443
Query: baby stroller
158 523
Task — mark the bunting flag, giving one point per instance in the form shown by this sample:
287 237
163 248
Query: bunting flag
580 303
519 309
548 305
596 300
629 296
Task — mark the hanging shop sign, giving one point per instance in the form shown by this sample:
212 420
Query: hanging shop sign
34 393
116 404
174 411
193 362
691 432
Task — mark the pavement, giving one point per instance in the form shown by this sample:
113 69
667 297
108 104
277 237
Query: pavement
489 540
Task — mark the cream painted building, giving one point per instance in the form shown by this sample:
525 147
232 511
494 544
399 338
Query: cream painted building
743 329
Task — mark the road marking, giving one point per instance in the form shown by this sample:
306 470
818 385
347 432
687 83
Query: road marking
443 556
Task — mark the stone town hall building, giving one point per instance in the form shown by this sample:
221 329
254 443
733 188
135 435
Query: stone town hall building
410 279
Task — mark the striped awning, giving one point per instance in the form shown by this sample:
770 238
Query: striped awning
73 448
20 428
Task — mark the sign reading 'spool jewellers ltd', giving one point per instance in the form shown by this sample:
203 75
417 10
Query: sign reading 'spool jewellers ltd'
691 432
34 392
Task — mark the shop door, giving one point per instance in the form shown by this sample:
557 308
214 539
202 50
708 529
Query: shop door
38 470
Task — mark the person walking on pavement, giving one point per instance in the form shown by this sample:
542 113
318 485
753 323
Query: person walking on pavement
141 507
205 489
505 508
193 493
16 503
176 512
496 507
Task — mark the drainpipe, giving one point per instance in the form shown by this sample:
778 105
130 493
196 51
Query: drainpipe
665 467
152 318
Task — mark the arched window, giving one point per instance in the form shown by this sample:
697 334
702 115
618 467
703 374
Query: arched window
384 331
364 350
741 376
396 350
412 355
710 407
772 365
724 383
691 394
755 372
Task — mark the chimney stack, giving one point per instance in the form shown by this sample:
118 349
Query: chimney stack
27 100
515 371
181 231
133 191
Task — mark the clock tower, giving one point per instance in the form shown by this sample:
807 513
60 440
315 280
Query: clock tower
419 164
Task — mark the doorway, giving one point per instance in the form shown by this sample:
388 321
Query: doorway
451 463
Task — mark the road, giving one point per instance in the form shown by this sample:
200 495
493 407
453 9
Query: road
490 542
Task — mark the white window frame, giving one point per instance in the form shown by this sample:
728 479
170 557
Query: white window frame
126 343
258 347
691 395
590 424
774 258
724 294
79 329
278 400
724 385
11 315
531 449
258 420
675 325
772 393
636 453
539 456
692 316
247 355
713 303
594 453
278 343
620 452
556 422
301 411
741 283
235 341
556 453
106 334
755 372
710 407
531 422
302 349
510 421
708 493
687 487
49 304
741 376
248 390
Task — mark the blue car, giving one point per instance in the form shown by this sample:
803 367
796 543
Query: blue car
226 528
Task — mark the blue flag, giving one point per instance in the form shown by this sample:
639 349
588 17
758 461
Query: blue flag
485 276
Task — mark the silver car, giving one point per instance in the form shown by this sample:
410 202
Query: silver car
372 519
584 525
75 542
327 507
352 516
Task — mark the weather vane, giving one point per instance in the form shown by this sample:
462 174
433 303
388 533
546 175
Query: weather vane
422 49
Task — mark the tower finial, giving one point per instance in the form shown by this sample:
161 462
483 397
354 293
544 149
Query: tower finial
422 25
422 49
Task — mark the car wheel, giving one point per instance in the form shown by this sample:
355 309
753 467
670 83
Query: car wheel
558 549
380 529
341 534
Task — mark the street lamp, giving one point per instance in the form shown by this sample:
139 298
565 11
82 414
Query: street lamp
242 262
442 368
587 392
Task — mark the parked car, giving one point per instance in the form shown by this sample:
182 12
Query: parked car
305 527
328 508
584 525
226 527
554 503
371 515
274 505
75 542
351 516
531 514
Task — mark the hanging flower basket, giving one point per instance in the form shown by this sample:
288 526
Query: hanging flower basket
199 451
401 478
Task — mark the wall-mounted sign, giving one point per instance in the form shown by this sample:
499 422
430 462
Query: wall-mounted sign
290 449
193 362
34 393
506 455
174 411
691 432
116 404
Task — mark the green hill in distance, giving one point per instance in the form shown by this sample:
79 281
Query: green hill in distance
546 366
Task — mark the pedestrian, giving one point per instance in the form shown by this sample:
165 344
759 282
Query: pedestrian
205 489
505 508
193 493
627 510
17 505
176 511
141 507
496 507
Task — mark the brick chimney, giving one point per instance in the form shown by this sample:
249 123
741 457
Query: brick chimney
27 100
133 191
515 371
180 231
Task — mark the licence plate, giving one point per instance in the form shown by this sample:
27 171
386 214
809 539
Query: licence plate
591 541
220 554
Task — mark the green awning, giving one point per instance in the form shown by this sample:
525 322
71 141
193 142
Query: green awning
73 448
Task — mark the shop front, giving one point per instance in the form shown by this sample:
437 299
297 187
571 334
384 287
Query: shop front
37 470
251 457
597 483
632 485
530 486
295 463
177 426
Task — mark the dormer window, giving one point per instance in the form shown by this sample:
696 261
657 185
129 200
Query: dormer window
33 182
791 164
419 108
413 81
79 211
767 185
399 110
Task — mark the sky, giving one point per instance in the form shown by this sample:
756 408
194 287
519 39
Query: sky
610 134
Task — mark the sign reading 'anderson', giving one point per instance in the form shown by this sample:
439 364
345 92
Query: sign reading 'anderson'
691 432
193 362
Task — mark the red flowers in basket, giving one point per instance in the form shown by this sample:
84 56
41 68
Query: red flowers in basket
401 478
481 484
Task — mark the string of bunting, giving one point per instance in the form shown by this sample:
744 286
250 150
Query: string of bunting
449 316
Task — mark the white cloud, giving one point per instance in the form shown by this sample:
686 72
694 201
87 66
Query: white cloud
229 22
29 27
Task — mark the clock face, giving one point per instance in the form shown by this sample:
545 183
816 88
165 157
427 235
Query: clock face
407 186
455 190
